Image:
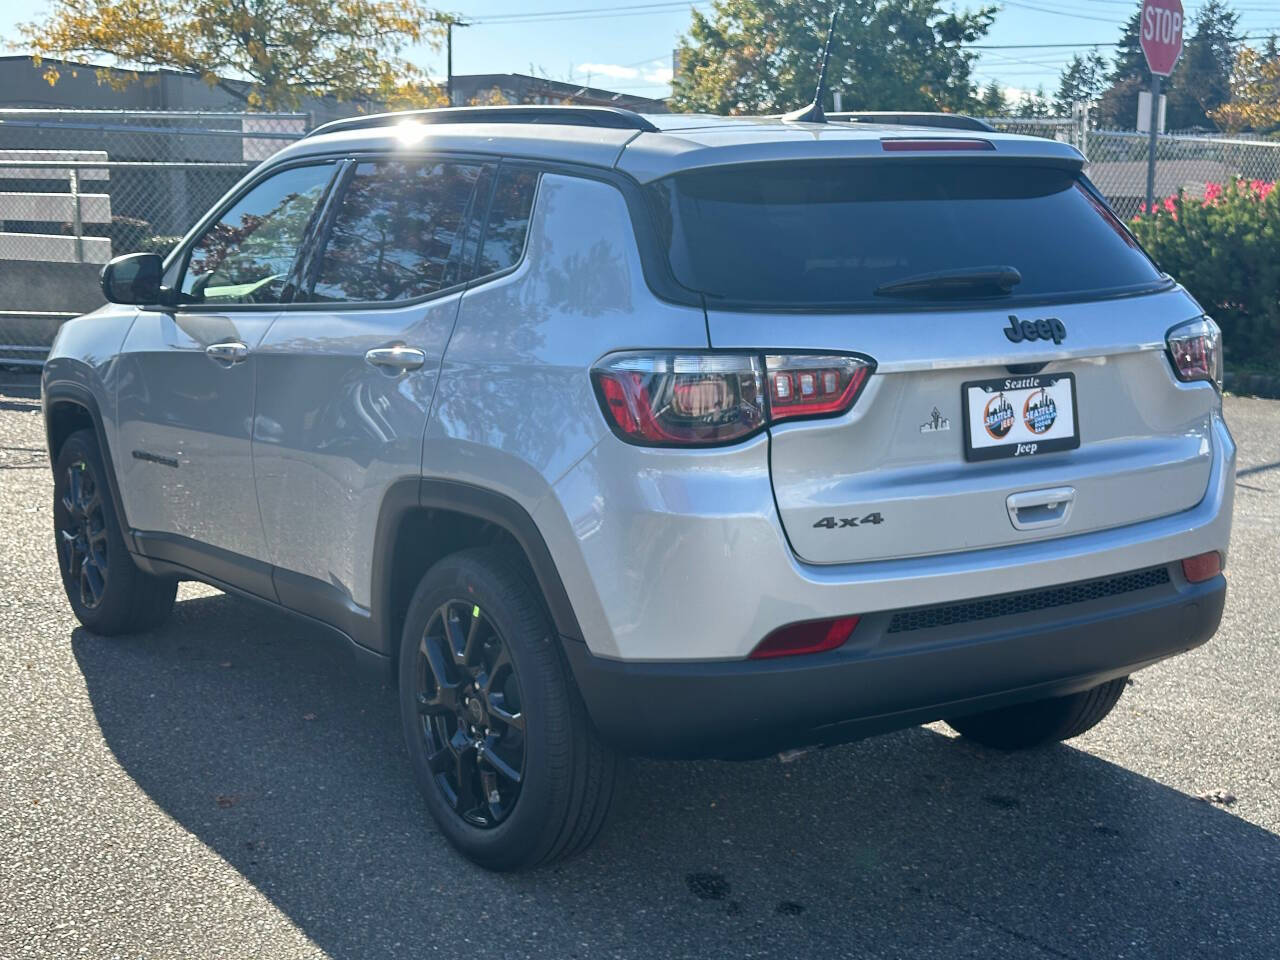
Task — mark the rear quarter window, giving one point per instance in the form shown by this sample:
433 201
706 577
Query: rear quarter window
823 234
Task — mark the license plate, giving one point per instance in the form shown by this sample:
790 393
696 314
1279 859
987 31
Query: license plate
1020 416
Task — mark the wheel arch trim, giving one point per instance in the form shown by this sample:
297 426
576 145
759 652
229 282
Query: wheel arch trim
64 392
483 504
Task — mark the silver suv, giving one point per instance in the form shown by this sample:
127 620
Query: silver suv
680 436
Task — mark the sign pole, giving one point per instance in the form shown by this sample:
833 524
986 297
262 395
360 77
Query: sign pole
1151 142
1161 41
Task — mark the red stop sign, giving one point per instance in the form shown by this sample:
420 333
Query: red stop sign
1161 34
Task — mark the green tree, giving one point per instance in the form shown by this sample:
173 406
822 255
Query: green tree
283 49
1129 60
762 56
1118 104
1200 83
1083 80
1035 105
995 103
1202 80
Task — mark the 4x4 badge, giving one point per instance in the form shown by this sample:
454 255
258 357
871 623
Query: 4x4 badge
1048 329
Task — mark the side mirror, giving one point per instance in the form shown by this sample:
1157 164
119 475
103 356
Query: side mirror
133 278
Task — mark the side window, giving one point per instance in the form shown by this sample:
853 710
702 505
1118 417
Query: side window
397 231
508 222
247 256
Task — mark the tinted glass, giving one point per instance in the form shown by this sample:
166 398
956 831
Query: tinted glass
247 255
397 231
796 235
508 222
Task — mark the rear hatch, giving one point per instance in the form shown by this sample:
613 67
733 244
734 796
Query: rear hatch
1001 410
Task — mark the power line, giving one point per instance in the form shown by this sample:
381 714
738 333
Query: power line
605 13
1060 13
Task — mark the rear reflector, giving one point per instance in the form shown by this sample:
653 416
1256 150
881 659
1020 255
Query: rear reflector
1202 567
936 145
812 636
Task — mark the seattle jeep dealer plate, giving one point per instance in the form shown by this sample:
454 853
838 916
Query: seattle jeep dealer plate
1020 416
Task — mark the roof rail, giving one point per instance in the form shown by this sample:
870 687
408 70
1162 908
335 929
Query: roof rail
953 121
574 116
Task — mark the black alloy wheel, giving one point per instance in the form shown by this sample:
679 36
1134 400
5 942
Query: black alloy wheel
82 534
470 707
108 592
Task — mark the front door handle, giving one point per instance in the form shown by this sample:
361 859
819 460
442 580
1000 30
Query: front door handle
229 353
396 359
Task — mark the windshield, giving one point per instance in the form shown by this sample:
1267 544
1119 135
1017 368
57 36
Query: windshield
798 235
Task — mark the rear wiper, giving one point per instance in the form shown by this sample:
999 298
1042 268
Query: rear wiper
989 280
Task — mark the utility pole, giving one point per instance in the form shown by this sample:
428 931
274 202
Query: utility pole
449 23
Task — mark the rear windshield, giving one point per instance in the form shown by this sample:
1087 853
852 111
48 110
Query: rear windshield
833 233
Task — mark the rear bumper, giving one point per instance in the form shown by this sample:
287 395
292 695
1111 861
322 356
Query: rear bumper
670 555
891 675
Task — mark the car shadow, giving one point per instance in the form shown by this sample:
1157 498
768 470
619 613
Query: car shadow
250 731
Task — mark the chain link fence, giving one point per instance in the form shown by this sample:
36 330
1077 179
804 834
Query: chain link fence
1053 128
1187 162
78 187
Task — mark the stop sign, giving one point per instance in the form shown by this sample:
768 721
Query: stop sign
1161 34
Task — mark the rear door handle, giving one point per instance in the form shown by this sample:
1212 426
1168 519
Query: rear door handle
396 359
1038 509
230 353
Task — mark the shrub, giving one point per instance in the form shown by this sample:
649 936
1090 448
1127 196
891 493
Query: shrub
1225 249
158 244
127 233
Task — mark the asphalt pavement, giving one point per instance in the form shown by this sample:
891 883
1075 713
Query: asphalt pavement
225 788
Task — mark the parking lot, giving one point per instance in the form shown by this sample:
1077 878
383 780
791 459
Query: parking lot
225 788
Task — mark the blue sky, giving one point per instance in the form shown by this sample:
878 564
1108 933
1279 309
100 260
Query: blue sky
626 44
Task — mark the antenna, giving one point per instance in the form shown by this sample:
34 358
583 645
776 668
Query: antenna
813 112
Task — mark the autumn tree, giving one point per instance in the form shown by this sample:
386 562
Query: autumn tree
266 54
762 56
1255 92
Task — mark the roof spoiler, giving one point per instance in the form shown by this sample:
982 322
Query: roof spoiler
951 121
611 117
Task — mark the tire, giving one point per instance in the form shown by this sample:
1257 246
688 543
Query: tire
108 593
1040 722
476 601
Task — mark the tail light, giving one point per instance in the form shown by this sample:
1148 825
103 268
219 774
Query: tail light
710 399
1195 349
681 399
809 386
812 636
